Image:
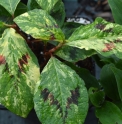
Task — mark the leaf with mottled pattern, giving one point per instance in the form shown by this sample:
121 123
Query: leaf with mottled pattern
102 36
72 54
61 95
40 25
47 5
19 72
32 4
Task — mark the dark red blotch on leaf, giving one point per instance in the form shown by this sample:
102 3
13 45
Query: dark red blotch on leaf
22 61
108 47
2 60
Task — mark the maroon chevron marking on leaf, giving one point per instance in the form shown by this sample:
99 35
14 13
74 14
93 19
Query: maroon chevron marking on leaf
74 97
116 41
108 47
108 30
100 26
52 37
49 96
22 61
2 60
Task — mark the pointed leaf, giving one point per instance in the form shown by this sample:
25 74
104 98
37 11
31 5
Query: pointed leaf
101 36
61 95
4 12
96 96
19 72
10 5
21 8
108 81
69 27
32 4
109 113
118 76
47 5
72 54
58 12
39 25
90 80
116 7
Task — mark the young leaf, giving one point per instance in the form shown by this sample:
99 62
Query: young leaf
116 7
10 5
109 113
61 95
108 81
101 36
32 4
40 25
19 72
118 76
47 5
96 96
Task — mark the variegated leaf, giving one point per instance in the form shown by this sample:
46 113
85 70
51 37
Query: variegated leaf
10 5
101 36
55 8
61 95
73 54
47 5
32 4
39 25
58 13
19 72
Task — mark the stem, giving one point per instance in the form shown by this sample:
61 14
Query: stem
54 49
10 26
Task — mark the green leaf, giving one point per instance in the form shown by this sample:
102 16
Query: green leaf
96 96
89 79
108 81
21 8
109 113
61 95
2 24
47 5
72 54
4 12
69 27
32 4
10 5
40 25
118 64
116 7
101 36
118 76
58 13
19 72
